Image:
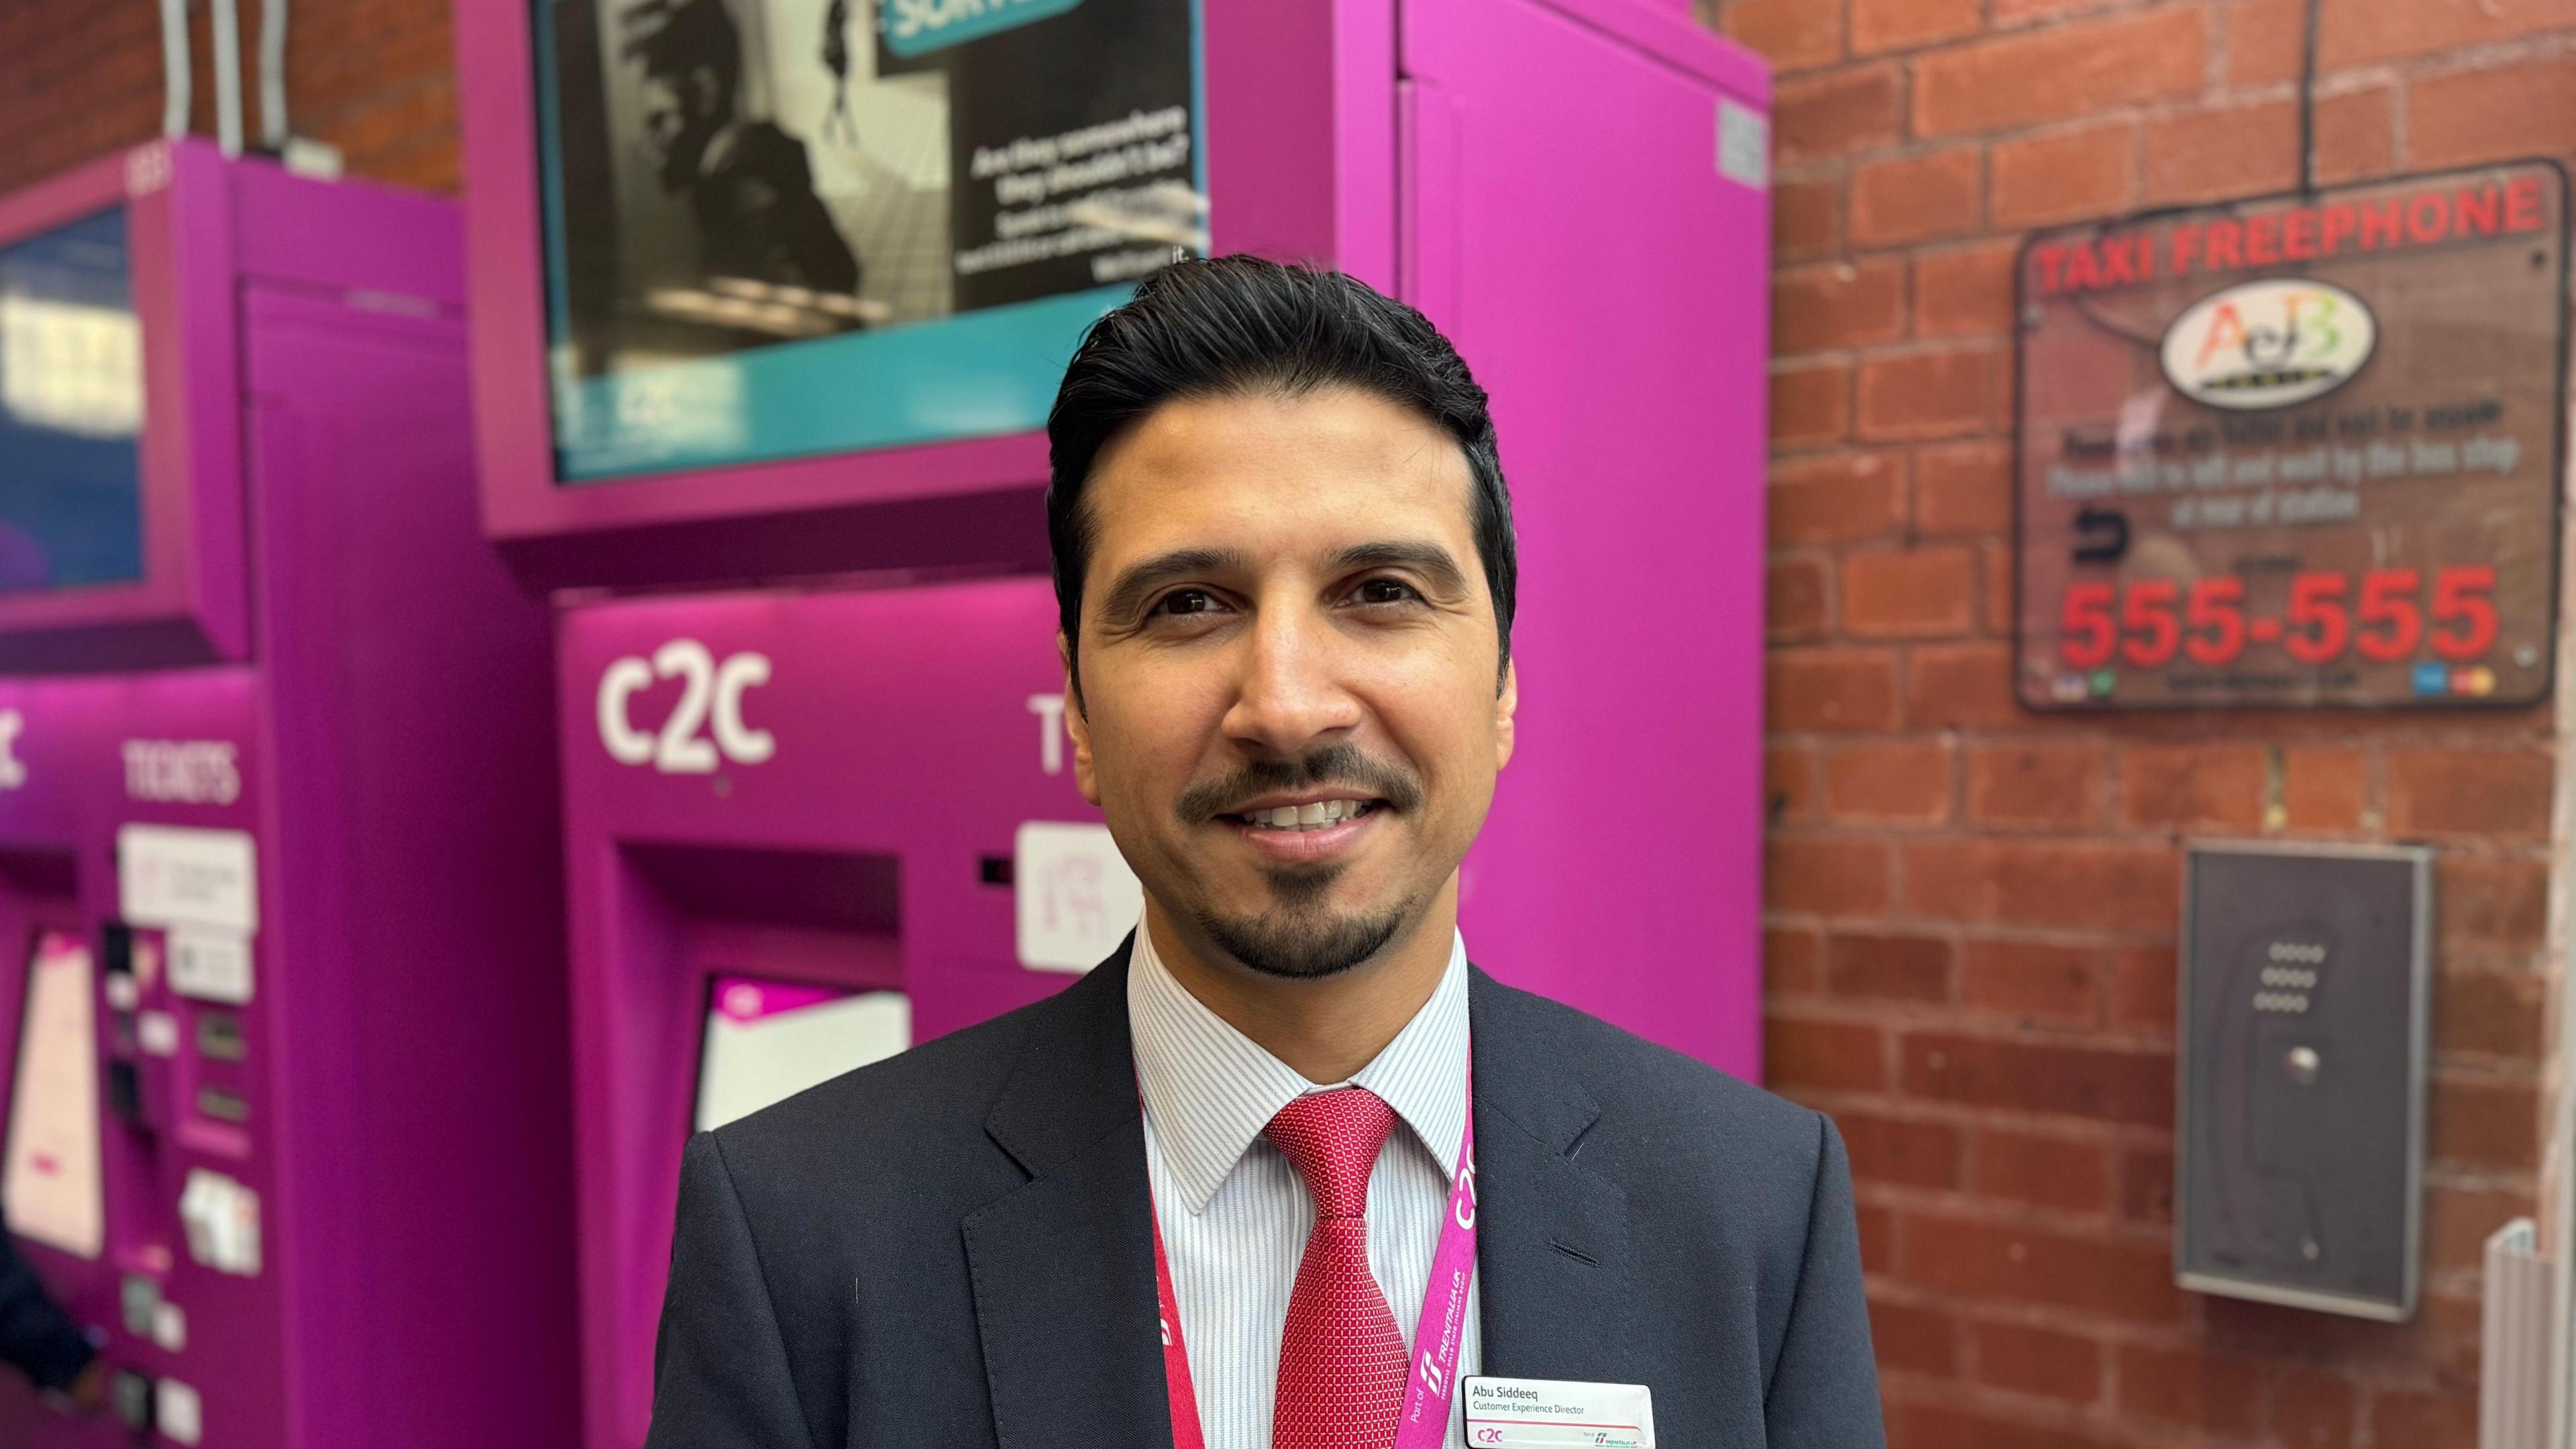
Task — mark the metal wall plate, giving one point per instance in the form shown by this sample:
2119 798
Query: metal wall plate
2299 1140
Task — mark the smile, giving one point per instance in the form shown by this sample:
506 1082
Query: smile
1307 815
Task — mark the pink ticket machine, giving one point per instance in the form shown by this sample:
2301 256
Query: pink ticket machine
280 967
771 298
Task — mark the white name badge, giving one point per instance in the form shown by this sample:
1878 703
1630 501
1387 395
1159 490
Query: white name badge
1518 1413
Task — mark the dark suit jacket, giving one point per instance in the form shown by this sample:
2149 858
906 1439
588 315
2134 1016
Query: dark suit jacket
954 1247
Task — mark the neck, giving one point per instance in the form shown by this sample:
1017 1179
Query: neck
1328 1027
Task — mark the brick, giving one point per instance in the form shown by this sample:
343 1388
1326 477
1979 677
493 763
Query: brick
2495 114
2357 32
1926 1424
2264 38
1903 782
1793 962
2052 785
1835 114
2324 788
1826 874
1963 488
2489 1015
2105 1084
1797 598
1900 1150
1961 686
1910 1338
2146 1184
2225 152
2061 985
1917 198
2028 1359
2049 1172
2458 1220
2423 1421
2489 795
2144 980
2190 1387
1806 219
2356 135
1881 25
2060 177
2193 786
2497 902
2485 1123
1790 792
1835 498
2044 883
2313 1410
1965 291
1888 967
2117 1278
1831 1055
1942 394
1810 404
2026 78
1830 691
1908 593
1877 1237
1837 304
1791 34
1995 586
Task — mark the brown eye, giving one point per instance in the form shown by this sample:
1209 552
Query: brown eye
1180 602
1386 591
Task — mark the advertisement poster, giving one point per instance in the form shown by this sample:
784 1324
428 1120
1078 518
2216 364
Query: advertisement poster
50 1186
2297 451
782 228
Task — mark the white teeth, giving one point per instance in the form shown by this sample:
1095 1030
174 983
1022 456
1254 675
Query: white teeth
1316 815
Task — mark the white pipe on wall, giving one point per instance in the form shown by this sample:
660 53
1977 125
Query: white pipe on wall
272 74
175 68
228 96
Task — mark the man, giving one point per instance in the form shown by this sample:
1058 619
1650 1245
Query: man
1285 561
39 1340
747 182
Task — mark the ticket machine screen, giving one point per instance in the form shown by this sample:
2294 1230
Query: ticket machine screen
50 1186
768 1040
71 410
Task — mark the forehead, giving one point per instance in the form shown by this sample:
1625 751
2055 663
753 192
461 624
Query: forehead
1268 473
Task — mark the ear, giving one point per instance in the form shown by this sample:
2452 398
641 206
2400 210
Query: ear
1506 704
1085 777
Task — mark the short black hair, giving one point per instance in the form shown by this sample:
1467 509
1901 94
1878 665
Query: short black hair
1234 325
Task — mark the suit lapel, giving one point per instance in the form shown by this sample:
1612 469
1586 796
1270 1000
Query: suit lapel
1063 1266
1552 1242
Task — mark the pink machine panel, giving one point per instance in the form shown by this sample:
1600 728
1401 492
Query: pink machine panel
284 799
1574 189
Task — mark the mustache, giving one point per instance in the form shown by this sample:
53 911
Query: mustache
1341 767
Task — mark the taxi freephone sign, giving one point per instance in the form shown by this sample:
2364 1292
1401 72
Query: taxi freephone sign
2295 451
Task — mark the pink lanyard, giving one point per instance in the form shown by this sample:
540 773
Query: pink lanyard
1424 1420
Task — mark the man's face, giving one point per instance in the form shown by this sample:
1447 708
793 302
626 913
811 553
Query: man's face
1284 612
678 120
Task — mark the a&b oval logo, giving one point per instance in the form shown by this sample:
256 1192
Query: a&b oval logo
2268 344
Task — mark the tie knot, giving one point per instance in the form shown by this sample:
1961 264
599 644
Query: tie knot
1333 1138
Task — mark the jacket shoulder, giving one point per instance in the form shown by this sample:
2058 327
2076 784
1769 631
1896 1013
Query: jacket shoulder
1653 1087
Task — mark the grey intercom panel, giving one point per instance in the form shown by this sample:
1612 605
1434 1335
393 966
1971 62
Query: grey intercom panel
2300 1146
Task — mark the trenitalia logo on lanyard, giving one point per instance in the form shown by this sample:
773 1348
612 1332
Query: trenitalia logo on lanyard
1423 1421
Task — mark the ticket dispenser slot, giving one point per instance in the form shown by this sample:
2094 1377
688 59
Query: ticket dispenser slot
2299 1178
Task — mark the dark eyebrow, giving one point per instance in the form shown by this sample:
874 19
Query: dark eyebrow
1433 562
1128 592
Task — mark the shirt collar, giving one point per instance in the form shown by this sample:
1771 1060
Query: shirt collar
1210 1089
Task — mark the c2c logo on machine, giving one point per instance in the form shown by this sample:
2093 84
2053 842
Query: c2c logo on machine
703 729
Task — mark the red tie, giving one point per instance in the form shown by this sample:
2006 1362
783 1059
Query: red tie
1341 1362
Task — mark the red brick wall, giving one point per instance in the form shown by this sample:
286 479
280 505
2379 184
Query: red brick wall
1972 908
82 78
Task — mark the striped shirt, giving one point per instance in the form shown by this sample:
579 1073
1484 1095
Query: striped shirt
1234 1213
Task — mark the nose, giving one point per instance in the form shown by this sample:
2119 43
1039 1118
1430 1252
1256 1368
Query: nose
1290 696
